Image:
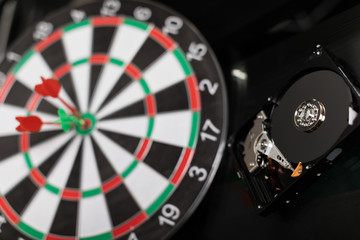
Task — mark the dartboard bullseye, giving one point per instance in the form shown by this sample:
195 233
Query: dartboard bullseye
112 124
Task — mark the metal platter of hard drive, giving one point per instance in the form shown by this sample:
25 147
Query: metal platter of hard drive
332 95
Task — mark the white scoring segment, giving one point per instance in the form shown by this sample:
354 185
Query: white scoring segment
89 176
78 43
132 126
119 158
42 151
81 80
145 185
127 42
60 173
8 123
131 94
30 75
12 171
109 76
32 70
41 211
164 72
94 216
173 128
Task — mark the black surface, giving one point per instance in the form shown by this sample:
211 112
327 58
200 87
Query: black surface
329 207
13 148
64 218
54 55
106 171
22 193
16 100
121 212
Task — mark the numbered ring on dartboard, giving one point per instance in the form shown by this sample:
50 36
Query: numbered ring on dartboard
153 92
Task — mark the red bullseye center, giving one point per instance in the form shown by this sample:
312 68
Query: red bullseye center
89 122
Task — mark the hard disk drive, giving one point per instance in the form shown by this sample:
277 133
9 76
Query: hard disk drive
298 134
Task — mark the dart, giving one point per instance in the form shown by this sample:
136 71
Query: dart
34 123
51 88
31 124
68 121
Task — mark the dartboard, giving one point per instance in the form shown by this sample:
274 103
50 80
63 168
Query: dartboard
152 95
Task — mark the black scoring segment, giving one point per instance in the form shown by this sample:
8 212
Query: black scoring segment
148 53
21 194
47 107
173 98
67 83
121 212
48 165
102 39
136 109
14 98
74 177
54 55
65 219
106 171
127 142
39 137
120 85
94 76
163 158
12 146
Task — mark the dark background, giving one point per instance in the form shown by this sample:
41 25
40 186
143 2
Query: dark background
269 41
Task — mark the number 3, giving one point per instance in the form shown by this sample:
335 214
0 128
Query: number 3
201 173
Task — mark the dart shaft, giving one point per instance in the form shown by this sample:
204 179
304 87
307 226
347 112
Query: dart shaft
72 109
